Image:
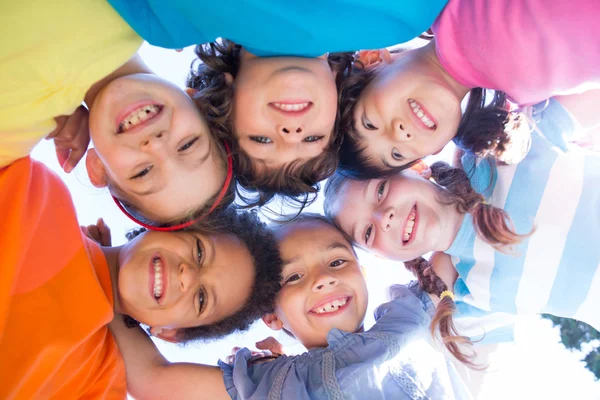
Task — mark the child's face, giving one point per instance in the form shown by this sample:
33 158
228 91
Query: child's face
320 272
284 108
184 279
398 218
407 112
152 143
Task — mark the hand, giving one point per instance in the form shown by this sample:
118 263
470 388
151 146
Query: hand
271 344
267 347
100 233
71 138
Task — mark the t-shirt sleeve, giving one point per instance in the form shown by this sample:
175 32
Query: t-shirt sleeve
56 52
554 122
407 312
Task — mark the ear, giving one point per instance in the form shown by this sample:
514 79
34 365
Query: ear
191 92
422 168
228 78
272 321
373 58
168 335
95 169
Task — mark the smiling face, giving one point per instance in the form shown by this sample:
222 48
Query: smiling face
323 286
153 144
397 218
183 279
411 109
284 108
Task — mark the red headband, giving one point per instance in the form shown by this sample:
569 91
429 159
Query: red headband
220 196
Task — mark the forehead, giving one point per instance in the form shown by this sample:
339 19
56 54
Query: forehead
308 236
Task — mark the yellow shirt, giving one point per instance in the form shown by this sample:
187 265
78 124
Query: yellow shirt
51 53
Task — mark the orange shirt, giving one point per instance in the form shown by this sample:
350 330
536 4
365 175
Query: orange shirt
55 295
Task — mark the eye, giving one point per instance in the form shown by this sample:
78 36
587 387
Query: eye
201 301
337 263
142 173
188 144
261 139
396 155
199 251
368 233
312 139
380 190
292 278
367 124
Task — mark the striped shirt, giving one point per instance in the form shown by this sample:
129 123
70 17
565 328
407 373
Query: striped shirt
556 190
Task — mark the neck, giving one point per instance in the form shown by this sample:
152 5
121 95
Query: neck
452 225
135 65
112 259
429 52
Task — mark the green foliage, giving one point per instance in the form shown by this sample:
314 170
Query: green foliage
573 334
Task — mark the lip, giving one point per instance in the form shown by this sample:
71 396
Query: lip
292 113
329 299
413 234
417 120
151 279
132 107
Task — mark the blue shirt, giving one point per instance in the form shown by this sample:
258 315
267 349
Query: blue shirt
377 364
307 28
556 190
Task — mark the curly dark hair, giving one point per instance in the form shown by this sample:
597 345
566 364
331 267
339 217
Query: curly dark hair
481 130
261 243
298 181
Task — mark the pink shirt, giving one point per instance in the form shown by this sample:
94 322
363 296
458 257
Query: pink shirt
530 49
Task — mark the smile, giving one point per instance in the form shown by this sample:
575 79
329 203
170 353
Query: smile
138 116
410 226
422 114
330 306
158 278
292 108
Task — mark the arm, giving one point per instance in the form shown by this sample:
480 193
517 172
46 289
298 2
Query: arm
583 107
151 376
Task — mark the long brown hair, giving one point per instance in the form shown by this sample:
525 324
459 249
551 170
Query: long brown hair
297 181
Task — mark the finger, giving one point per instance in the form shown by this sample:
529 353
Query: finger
60 123
94 232
79 144
266 343
85 230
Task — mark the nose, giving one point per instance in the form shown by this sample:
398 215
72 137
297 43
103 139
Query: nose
186 277
153 140
291 133
386 219
400 132
324 281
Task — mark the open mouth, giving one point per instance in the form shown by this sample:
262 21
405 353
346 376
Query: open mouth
292 108
422 115
331 306
410 226
158 278
138 117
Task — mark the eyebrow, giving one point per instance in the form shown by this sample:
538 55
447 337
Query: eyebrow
337 245
152 189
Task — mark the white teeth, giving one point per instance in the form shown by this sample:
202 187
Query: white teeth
410 223
418 111
291 107
158 284
331 306
138 116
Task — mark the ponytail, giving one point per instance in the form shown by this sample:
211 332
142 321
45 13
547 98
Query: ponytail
442 319
492 224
